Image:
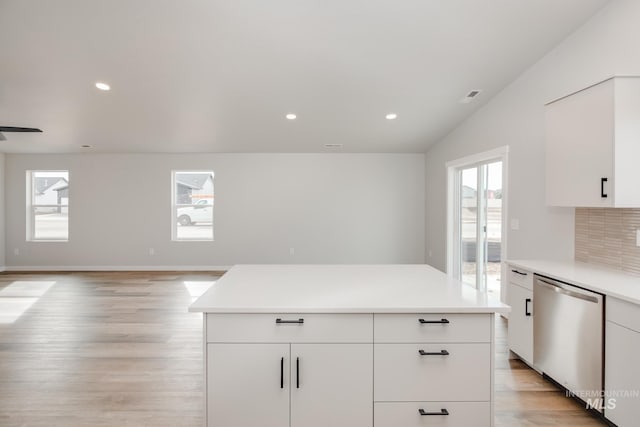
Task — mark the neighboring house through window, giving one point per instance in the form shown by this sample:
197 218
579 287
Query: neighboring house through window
48 206
192 205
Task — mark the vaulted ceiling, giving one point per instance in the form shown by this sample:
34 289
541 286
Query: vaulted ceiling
220 76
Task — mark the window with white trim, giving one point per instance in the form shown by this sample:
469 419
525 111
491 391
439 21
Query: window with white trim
48 206
192 205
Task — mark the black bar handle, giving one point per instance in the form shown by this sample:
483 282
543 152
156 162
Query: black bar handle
282 372
441 321
602 193
280 321
297 372
526 307
519 272
437 353
442 412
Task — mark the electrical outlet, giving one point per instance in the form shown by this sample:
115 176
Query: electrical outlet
430 253
515 224
637 236
152 251
292 251
16 251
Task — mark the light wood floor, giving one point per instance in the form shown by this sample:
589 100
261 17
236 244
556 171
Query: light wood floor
120 349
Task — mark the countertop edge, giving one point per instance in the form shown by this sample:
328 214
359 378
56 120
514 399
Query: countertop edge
409 310
589 286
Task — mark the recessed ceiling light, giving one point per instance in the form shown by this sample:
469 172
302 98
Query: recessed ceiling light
291 116
391 116
103 86
85 146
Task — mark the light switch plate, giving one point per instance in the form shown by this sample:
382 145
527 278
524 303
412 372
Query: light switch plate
515 224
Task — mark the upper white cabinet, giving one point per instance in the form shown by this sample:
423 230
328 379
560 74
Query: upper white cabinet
593 146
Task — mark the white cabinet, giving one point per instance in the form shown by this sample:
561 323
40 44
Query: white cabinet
289 370
248 385
520 298
433 369
297 370
438 328
331 385
622 371
432 372
592 146
421 414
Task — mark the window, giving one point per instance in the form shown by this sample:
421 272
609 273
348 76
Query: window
192 205
48 206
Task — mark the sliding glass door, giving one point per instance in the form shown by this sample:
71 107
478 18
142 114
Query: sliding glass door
478 225
468 222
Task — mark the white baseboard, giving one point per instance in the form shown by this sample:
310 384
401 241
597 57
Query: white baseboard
27 268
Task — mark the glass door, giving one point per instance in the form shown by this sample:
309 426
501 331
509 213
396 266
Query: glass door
492 261
479 225
468 225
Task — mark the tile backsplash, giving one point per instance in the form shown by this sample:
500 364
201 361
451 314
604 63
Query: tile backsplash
607 237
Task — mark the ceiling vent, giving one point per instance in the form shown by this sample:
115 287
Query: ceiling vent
333 146
470 96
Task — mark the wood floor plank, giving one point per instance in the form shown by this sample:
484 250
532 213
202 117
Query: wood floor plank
103 349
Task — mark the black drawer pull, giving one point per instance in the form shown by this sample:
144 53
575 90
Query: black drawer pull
298 322
441 321
437 353
526 307
282 372
519 272
442 412
602 193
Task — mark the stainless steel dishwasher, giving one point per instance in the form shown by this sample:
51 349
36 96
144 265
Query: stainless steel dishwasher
568 335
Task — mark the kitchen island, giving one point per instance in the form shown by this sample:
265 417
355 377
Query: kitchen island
344 345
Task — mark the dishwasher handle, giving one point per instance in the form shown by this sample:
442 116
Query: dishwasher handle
563 289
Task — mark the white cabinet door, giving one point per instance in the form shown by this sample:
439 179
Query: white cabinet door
622 375
580 148
248 385
331 385
520 330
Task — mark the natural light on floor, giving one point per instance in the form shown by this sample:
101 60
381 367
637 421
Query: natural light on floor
197 288
16 298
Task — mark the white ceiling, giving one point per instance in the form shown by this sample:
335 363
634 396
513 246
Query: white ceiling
220 75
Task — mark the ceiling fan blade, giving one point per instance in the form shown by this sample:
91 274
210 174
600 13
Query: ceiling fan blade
2 137
18 129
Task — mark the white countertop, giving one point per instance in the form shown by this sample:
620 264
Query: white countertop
342 289
606 281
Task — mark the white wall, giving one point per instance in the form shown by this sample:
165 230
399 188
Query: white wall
332 208
2 213
606 45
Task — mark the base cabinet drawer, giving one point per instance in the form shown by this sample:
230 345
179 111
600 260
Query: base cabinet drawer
623 313
439 414
520 277
432 372
290 328
439 327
